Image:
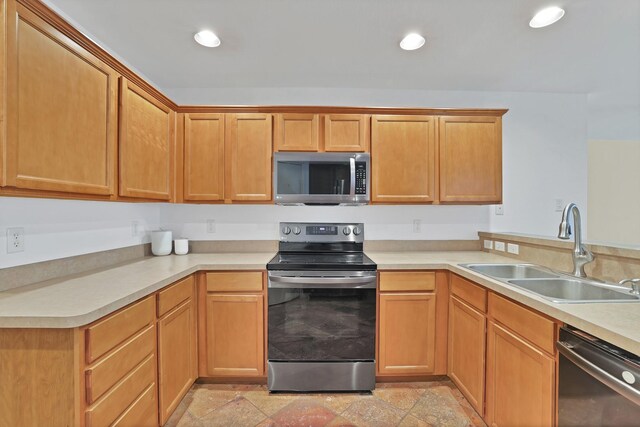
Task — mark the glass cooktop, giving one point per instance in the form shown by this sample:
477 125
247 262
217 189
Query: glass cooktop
321 261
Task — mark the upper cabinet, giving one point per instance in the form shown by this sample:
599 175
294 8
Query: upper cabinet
248 151
203 157
346 132
403 166
61 112
146 145
297 132
470 159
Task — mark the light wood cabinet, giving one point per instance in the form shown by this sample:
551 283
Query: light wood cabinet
177 347
470 159
467 344
297 132
204 168
347 132
520 381
248 147
403 163
147 138
61 111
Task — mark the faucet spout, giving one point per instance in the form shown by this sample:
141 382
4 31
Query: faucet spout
581 255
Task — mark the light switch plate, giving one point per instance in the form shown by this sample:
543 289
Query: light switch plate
512 248
499 246
488 244
499 209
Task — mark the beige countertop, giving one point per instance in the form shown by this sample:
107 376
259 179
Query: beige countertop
79 300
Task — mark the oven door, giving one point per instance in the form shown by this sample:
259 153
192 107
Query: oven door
321 316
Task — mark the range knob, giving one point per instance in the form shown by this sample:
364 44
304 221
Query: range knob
286 230
296 230
346 231
357 231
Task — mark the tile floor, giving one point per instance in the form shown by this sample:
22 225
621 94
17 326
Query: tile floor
434 403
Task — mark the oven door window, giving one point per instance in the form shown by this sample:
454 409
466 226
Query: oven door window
321 324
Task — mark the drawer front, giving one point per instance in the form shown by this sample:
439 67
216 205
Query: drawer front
114 404
234 281
110 370
529 325
117 328
174 295
143 412
399 281
468 292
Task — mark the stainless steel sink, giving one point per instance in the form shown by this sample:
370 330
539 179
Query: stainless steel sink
575 290
512 271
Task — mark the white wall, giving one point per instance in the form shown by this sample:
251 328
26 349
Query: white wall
61 228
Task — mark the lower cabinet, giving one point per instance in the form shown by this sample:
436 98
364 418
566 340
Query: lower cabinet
232 326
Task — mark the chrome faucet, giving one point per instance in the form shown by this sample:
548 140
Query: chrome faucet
635 285
581 255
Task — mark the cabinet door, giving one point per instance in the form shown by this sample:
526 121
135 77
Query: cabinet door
297 132
466 351
470 159
249 143
520 381
407 333
177 356
146 144
61 111
203 157
403 159
346 132
235 335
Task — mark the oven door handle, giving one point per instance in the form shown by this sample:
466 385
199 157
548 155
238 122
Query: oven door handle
598 373
323 282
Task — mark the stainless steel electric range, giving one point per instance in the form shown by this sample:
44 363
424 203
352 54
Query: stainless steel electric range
322 310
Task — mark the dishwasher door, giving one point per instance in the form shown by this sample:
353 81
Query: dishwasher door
599 383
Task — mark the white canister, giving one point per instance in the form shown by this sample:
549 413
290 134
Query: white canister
161 242
181 246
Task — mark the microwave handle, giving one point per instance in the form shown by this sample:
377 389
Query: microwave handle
352 166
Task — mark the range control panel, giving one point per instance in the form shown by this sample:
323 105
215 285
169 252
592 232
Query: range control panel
321 232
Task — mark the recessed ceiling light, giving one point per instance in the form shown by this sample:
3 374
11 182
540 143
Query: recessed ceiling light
546 17
207 38
412 41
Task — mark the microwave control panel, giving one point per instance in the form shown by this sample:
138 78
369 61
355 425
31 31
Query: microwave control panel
361 178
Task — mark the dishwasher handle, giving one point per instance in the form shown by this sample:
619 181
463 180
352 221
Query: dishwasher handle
322 282
598 373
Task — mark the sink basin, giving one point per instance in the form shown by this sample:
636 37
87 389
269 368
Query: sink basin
574 290
512 271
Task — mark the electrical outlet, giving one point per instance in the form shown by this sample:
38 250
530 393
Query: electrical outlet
15 240
488 244
135 228
417 225
499 246
559 205
211 226
512 248
499 209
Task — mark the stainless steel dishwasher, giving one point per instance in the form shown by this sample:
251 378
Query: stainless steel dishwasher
599 382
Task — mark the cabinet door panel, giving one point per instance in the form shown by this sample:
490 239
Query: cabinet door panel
520 381
249 143
204 157
407 327
297 132
235 335
403 159
61 111
146 144
470 159
346 132
466 351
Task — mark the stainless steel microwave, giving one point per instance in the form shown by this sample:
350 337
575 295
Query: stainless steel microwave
321 178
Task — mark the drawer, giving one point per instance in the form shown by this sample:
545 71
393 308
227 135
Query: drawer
115 402
174 295
393 281
106 373
108 333
469 292
529 325
234 281
143 412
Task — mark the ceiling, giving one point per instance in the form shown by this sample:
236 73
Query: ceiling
471 45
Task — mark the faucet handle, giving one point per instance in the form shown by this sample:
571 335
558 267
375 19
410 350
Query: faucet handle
635 285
